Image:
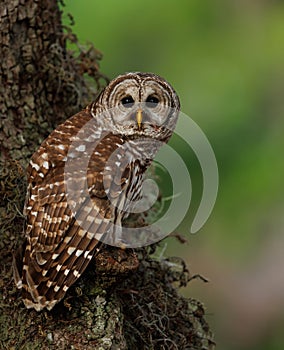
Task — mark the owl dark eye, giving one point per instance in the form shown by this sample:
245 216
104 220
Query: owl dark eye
152 101
127 101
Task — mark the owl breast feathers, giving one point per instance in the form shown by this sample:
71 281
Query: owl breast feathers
83 178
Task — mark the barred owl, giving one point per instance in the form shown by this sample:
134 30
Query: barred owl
103 151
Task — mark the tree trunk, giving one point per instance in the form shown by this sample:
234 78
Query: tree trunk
41 84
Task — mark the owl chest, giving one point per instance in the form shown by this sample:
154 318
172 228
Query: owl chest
130 193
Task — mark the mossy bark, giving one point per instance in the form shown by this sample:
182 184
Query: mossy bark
41 84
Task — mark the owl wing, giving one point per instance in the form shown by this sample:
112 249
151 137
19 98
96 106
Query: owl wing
46 206
59 246
48 273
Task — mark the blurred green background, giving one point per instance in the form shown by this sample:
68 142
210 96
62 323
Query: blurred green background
226 61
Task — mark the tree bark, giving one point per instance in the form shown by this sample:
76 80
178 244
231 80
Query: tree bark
41 84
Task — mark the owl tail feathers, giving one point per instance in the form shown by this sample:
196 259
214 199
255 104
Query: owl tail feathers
31 296
38 306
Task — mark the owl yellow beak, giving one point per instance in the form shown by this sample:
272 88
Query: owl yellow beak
139 118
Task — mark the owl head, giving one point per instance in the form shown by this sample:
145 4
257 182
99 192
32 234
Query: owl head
139 105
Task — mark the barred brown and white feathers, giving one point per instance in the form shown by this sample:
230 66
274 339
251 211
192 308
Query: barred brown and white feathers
82 177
